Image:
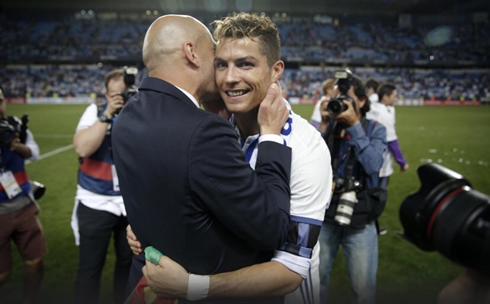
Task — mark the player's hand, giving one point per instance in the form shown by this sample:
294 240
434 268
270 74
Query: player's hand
273 111
404 168
133 242
167 279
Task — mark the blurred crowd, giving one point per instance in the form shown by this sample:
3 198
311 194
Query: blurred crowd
439 84
85 80
304 41
86 43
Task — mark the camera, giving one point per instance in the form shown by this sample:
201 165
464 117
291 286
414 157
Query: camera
347 201
448 216
38 189
129 80
336 105
10 126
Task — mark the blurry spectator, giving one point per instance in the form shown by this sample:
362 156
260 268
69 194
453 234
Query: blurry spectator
372 88
327 88
384 112
18 209
99 210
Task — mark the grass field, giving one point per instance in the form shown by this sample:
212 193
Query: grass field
456 137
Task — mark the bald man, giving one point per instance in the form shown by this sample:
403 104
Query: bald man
186 185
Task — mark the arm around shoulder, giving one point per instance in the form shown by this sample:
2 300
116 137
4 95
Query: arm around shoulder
253 205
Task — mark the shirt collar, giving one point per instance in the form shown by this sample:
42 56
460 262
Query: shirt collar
190 96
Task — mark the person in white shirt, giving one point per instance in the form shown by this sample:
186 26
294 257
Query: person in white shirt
384 113
372 88
99 211
327 88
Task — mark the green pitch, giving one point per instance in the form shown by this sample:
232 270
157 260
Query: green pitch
455 137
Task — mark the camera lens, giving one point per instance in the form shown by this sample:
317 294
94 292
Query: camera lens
335 107
345 209
447 215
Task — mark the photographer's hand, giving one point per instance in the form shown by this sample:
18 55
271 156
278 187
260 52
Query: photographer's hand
349 116
20 148
115 102
324 113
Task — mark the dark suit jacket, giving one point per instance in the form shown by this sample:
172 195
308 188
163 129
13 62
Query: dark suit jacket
187 188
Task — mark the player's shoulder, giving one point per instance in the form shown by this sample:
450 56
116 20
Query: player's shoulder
305 137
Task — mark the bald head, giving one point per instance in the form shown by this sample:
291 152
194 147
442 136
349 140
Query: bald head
165 39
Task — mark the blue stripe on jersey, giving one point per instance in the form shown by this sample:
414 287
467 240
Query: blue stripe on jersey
306 220
305 301
305 252
310 280
303 234
250 150
288 126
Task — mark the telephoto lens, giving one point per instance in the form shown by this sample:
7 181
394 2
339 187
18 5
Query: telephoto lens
345 209
448 216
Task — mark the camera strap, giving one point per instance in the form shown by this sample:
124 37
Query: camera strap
115 178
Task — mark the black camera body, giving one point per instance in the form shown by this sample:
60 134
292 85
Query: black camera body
129 80
345 185
10 126
447 215
336 105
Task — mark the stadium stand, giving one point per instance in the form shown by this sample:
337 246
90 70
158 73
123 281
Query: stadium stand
66 54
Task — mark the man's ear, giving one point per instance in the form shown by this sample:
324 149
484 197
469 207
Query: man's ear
277 70
190 53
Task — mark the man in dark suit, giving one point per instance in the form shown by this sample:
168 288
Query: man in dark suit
186 185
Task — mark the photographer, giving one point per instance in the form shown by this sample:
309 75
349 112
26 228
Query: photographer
18 210
99 210
357 146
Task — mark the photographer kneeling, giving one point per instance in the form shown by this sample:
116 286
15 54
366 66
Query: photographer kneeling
18 211
356 145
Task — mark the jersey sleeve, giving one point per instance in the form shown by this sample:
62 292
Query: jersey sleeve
311 183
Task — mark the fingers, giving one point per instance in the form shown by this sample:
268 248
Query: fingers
133 242
115 103
273 111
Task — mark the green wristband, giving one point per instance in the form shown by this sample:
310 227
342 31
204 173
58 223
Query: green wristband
152 254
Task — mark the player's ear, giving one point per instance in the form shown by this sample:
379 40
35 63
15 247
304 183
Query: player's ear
277 70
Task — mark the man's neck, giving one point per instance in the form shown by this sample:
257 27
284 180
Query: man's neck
247 123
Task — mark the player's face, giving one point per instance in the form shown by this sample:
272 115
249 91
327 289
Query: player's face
243 74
